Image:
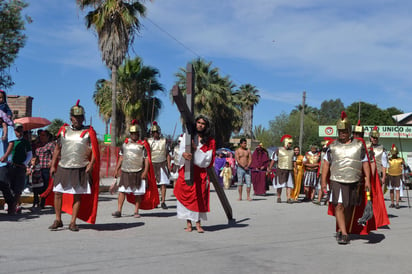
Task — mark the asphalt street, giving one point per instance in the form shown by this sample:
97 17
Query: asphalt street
265 237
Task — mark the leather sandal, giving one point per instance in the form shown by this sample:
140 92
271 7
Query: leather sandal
73 227
117 214
56 224
338 236
344 240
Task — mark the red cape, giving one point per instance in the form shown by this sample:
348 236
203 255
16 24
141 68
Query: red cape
378 201
196 197
150 199
88 205
354 227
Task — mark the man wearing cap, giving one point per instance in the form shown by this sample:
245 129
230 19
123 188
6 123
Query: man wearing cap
347 162
6 147
21 156
134 164
76 174
285 160
161 160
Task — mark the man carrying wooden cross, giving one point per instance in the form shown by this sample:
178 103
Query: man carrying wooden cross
193 200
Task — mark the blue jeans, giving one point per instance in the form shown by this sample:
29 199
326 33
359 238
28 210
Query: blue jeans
243 174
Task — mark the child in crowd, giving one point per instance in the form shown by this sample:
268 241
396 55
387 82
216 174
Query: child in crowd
226 174
5 114
33 170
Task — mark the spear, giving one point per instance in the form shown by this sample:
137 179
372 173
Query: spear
400 146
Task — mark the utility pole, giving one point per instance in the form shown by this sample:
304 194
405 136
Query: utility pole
302 117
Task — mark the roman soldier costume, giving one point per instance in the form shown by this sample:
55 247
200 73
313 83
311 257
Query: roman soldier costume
159 151
71 178
284 158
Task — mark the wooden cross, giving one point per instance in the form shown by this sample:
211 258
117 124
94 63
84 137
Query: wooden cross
186 109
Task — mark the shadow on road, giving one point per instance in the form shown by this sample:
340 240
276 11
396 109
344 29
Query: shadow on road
231 224
110 226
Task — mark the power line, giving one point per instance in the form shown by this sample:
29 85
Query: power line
184 46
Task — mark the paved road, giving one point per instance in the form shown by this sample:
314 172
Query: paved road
266 237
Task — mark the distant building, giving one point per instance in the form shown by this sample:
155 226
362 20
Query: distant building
404 119
21 106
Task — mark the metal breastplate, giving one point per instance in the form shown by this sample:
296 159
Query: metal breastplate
158 149
285 157
378 151
395 167
75 149
133 156
312 159
346 166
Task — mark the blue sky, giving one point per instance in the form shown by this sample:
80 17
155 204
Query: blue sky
352 50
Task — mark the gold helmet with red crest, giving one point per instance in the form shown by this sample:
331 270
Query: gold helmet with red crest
77 110
358 128
375 132
155 127
286 139
134 127
394 150
343 123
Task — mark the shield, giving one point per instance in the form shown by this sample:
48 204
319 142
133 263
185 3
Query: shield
30 123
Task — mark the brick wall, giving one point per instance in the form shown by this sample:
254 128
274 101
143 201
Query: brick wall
21 106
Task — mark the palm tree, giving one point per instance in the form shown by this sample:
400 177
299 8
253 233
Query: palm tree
138 84
116 23
102 98
247 97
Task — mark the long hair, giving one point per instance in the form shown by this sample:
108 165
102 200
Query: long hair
206 134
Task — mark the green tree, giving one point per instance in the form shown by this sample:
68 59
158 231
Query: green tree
247 97
330 111
116 23
213 97
102 98
55 125
289 124
369 114
138 85
264 136
12 38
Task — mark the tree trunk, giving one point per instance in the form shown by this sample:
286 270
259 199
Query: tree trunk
114 99
247 123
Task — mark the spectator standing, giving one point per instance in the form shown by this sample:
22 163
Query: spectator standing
44 152
243 159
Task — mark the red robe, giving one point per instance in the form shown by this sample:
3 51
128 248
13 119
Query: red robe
354 227
88 204
196 197
260 159
150 199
